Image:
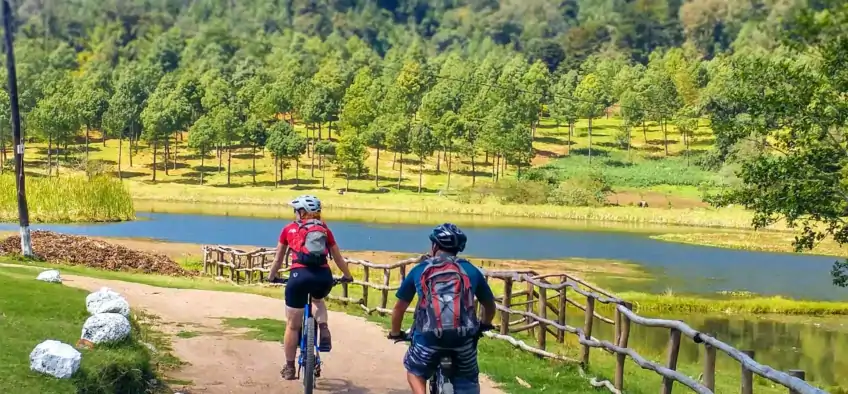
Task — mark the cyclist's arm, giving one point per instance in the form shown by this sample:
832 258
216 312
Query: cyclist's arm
404 295
340 261
486 298
278 260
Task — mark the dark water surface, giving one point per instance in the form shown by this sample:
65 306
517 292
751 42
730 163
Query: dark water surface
690 268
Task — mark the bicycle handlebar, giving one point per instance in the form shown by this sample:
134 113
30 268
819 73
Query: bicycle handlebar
336 281
406 336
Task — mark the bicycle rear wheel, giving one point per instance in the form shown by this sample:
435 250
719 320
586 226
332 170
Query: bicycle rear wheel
309 360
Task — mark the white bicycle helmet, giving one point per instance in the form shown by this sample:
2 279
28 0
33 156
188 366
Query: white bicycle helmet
307 203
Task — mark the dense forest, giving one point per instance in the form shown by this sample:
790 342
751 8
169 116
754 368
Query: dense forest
458 77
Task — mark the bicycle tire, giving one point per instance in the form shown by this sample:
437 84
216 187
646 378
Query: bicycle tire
309 362
445 386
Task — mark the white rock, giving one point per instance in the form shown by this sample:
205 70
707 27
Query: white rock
55 358
106 327
51 276
106 300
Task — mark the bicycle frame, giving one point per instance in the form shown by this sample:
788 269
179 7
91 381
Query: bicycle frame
307 313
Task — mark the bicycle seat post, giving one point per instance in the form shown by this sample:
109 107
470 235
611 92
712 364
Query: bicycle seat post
446 365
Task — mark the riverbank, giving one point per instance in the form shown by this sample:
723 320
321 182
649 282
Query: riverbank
617 276
409 202
764 241
67 199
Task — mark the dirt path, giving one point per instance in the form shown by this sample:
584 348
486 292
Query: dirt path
362 360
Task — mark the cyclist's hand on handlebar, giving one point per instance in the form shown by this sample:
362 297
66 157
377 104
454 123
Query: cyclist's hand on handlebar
277 280
346 279
484 327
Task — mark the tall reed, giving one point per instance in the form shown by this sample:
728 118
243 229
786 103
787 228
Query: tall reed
68 199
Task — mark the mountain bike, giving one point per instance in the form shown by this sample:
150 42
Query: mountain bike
308 361
442 381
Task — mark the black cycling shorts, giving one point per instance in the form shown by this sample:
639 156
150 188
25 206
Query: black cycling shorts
307 281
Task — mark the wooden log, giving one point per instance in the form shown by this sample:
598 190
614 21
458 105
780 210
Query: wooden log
507 298
384 296
623 339
709 366
345 292
796 373
561 315
365 276
588 320
402 273
747 375
671 360
542 334
524 327
529 304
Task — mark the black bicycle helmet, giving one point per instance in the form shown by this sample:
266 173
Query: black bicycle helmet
449 238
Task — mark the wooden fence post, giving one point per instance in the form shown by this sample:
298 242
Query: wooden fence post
673 352
529 306
507 301
623 338
796 373
587 328
747 376
542 336
709 366
345 292
365 286
384 297
561 318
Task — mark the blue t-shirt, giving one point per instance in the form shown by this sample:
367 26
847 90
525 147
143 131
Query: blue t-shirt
411 286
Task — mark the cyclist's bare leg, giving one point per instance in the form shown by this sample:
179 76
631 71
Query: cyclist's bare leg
324 338
320 310
294 319
416 383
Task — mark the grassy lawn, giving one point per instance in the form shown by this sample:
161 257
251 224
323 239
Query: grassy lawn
676 204
34 311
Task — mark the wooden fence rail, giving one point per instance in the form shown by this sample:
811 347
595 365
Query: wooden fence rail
532 308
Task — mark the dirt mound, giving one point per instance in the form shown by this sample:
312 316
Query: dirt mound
78 250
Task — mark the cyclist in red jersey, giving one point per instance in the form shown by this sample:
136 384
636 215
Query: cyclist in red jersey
305 280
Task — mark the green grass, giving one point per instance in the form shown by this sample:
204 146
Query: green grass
638 171
769 241
180 183
259 329
68 199
188 334
750 305
34 311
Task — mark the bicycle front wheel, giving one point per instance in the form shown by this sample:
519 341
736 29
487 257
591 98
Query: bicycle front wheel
309 360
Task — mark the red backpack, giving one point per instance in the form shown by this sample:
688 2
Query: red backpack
310 243
445 313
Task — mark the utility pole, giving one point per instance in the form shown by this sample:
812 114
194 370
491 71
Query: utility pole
23 212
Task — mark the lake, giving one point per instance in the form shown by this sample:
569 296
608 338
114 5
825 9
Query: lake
683 268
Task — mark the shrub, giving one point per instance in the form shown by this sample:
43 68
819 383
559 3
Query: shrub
585 190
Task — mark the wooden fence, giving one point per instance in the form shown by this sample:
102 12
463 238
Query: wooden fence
538 304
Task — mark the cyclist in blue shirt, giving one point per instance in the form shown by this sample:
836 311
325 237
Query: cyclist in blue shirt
422 358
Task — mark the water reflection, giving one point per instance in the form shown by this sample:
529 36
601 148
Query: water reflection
815 345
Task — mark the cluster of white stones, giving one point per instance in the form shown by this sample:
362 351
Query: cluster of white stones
109 322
